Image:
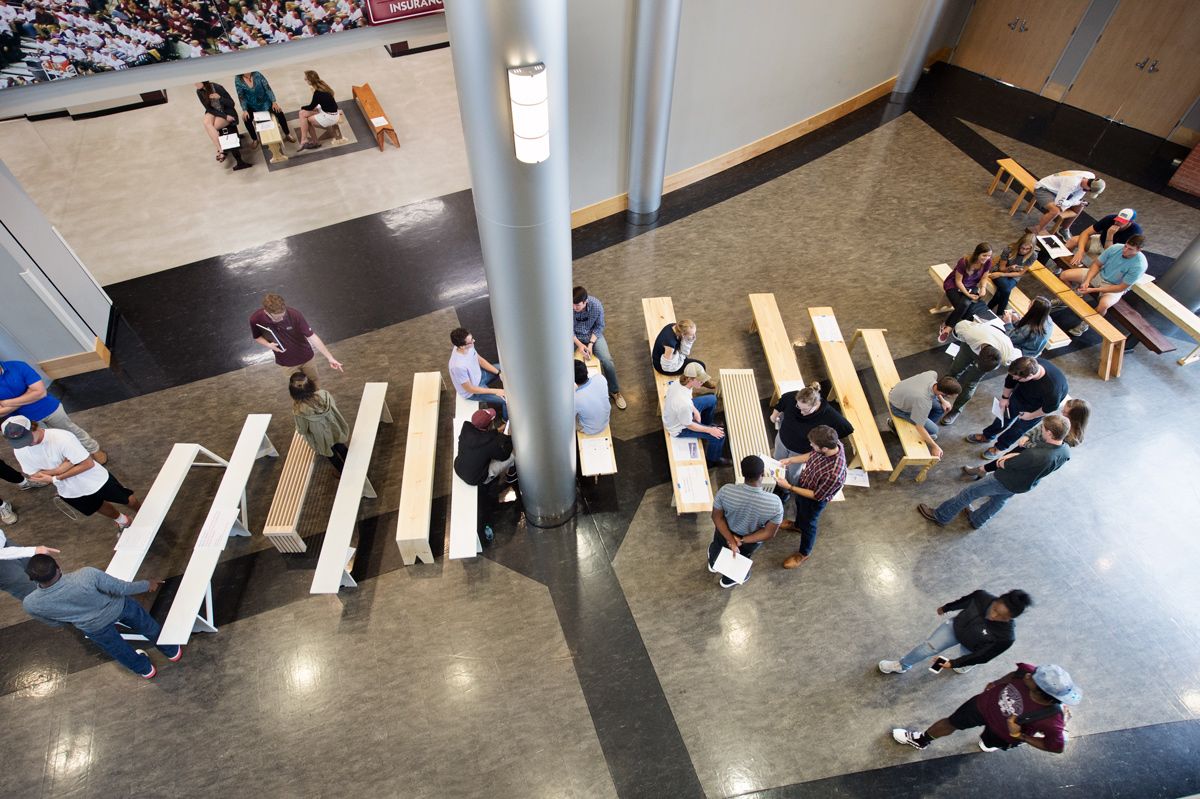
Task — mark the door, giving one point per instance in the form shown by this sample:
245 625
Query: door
1017 41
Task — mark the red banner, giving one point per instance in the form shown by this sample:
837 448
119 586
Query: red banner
382 11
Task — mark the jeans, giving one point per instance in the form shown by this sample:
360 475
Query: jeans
719 543
936 411
989 487
1004 287
1008 431
939 641
707 405
964 370
807 513
491 399
9 474
135 617
601 351
60 421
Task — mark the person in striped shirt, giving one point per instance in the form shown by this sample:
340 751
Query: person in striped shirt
823 476
744 516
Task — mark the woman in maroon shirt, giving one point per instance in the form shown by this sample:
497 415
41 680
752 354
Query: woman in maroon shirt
963 286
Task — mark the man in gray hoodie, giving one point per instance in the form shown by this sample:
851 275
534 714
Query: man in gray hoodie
95 602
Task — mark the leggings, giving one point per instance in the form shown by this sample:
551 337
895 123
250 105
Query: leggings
278 118
9 474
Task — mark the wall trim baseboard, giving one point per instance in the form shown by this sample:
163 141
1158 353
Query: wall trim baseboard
77 364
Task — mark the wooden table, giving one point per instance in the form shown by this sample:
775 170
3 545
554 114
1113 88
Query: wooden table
270 138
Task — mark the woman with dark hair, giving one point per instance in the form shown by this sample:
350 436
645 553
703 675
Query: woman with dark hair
1014 260
318 420
322 112
255 95
1030 333
219 114
1076 411
962 286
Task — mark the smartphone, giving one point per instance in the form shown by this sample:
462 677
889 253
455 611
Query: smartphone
939 663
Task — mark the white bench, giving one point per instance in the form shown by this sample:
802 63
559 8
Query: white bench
463 540
596 456
333 566
416 490
195 589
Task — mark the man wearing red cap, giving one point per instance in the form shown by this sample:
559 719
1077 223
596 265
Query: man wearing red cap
483 451
1113 229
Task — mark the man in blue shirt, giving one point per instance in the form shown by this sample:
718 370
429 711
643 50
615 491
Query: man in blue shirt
22 391
591 401
589 339
1111 275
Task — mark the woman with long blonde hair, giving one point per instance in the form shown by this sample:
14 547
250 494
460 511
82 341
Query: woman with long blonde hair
322 112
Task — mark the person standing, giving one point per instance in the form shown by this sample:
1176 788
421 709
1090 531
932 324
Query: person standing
467 370
1076 411
823 476
23 391
95 602
286 333
744 516
982 630
591 401
685 416
13 560
796 415
1033 389
255 95
923 399
1016 473
318 420
1023 707
963 286
589 339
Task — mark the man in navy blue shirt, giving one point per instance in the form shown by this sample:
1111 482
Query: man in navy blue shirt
1114 229
23 391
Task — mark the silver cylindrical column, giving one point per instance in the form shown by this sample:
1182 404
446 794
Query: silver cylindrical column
918 47
656 38
1182 278
524 217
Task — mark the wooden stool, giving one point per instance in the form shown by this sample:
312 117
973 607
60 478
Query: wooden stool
335 130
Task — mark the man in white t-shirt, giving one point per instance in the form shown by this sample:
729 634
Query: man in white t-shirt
56 456
685 416
471 375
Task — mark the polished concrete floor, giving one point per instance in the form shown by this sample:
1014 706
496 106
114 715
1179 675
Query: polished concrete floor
602 659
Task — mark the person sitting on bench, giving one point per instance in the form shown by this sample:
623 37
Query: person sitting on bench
591 401
687 417
255 95
1111 275
962 286
672 347
1014 260
1110 230
483 451
1062 194
322 112
1030 333
923 399
220 117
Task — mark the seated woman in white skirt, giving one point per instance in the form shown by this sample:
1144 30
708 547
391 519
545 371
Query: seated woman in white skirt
322 112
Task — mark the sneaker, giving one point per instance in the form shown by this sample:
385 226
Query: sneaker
7 514
984 747
978 472
943 335
27 484
909 737
949 419
1057 303
991 453
122 526
99 457
725 582
890 424
153 670
178 655
962 669
1079 329
891 667
620 401
711 569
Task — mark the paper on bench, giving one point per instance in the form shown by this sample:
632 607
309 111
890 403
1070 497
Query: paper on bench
693 484
593 452
1146 278
826 328
261 116
996 411
379 122
733 565
135 538
261 126
857 477
685 449
952 349
215 532
1054 248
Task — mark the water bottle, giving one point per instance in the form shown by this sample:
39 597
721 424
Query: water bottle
488 535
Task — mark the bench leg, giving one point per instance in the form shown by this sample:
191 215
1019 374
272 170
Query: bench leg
1111 354
412 551
347 580
1017 204
942 306
277 155
899 468
380 135
996 182
368 490
206 623
925 471
1191 357
267 448
1032 202
1008 183
753 325
288 542
392 135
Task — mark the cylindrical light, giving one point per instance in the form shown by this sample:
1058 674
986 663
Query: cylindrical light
530 112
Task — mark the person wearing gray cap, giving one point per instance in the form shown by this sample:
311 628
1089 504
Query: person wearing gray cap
744 515
1024 707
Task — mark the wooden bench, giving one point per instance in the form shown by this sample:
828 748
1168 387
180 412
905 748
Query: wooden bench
1174 310
1017 301
1139 327
1015 172
659 312
781 358
463 540
334 131
744 423
416 490
596 455
270 138
916 451
223 520
380 125
333 566
280 528
1113 346
869 452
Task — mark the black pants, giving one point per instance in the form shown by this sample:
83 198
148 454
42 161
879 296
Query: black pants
9 474
961 303
279 117
338 458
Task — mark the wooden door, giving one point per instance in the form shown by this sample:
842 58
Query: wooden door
1161 98
1025 54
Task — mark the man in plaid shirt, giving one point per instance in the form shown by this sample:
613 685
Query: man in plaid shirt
823 476
589 339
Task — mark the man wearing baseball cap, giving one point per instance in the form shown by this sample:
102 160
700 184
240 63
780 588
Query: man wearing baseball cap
1113 229
1024 707
23 391
483 451
685 416
1062 193
56 456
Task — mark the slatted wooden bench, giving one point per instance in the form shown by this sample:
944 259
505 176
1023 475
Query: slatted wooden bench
280 528
1017 301
869 452
1015 172
334 564
463 540
599 457
1113 341
416 490
781 357
743 418
373 111
1174 310
195 589
916 451
659 312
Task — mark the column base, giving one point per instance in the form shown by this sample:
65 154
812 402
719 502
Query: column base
545 522
640 219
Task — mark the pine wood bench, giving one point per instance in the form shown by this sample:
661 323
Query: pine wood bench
416 490
1174 310
596 458
916 451
659 312
373 111
1017 301
463 539
744 422
1113 341
1139 327
781 357
280 528
1015 172
869 452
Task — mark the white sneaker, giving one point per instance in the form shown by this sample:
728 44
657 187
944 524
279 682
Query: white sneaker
27 484
962 669
123 526
7 514
910 737
891 667
987 748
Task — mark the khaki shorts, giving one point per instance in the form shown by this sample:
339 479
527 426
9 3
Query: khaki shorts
309 368
1099 283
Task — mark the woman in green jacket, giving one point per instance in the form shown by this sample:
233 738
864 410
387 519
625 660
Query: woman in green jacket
318 420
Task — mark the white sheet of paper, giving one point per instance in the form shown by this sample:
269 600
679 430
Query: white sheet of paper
230 141
215 532
1054 247
261 126
826 328
735 566
999 414
134 538
772 468
593 453
261 116
838 497
693 483
685 449
952 349
857 477
379 122
788 386
1146 278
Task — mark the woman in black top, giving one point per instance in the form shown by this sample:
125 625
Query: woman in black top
798 412
322 112
219 113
